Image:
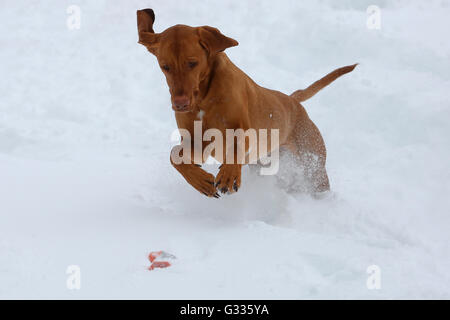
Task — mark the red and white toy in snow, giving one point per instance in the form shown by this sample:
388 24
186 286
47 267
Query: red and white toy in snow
160 259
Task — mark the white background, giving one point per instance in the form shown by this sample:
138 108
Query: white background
85 178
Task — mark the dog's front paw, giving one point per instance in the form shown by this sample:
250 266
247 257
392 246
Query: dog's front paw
228 179
200 180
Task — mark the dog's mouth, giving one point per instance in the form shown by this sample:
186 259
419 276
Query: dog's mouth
183 109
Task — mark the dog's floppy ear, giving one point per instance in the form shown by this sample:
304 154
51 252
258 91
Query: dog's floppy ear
147 36
213 40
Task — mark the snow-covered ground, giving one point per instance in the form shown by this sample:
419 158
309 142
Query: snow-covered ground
85 178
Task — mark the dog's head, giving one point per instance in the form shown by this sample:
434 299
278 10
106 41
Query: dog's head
185 55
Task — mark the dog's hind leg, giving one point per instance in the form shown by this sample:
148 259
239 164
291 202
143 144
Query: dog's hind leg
315 173
309 154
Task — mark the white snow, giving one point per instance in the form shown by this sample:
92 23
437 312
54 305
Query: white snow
85 178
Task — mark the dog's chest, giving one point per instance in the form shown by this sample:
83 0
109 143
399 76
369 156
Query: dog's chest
212 120
200 115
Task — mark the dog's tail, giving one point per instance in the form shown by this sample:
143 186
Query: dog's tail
302 95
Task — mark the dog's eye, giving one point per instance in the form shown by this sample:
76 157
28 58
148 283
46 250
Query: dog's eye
192 64
165 67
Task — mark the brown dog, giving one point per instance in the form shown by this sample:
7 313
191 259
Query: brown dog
205 85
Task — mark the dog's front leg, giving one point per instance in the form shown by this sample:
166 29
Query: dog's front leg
201 180
228 180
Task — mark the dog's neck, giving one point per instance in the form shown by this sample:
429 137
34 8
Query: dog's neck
215 66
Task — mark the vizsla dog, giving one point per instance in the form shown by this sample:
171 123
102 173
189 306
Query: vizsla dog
206 86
